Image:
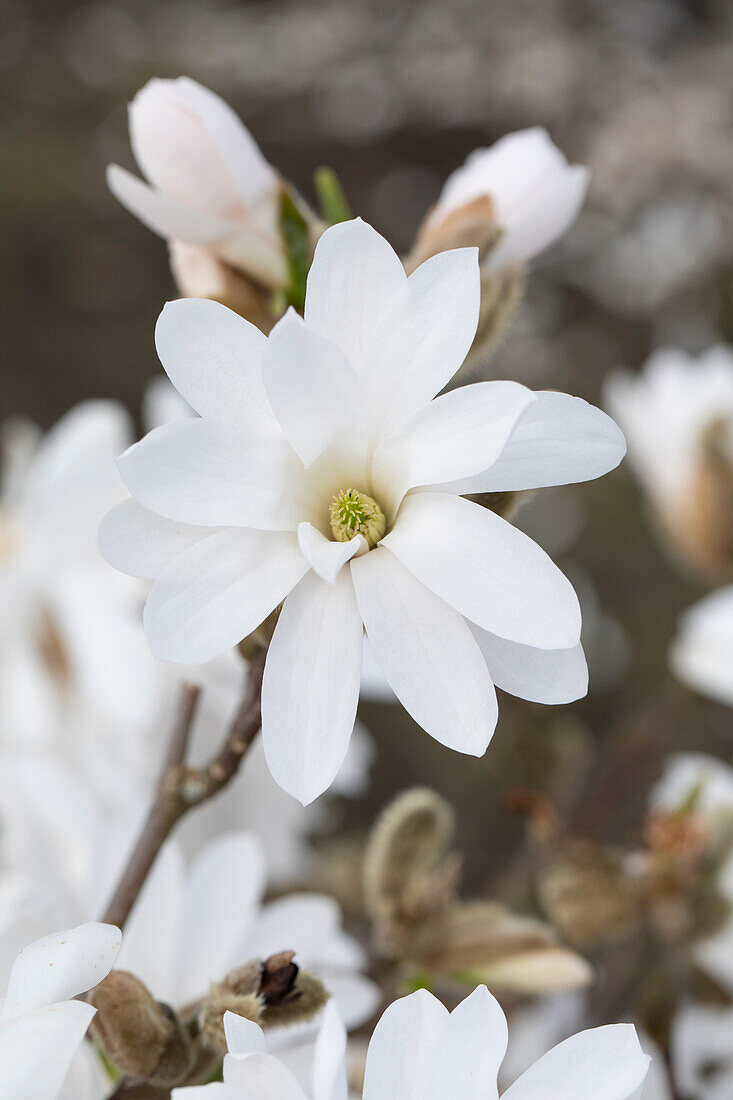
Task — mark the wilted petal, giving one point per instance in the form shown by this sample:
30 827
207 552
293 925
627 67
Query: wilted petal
219 591
311 685
488 570
427 653
354 277
540 675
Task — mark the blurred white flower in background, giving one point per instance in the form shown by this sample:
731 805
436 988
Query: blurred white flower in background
531 195
420 1050
41 1025
677 414
207 180
191 926
321 442
700 653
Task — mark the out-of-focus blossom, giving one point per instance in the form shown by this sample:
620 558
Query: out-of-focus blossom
419 1049
703 1052
207 181
513 200
41 1025
191 927
678 418
321 470
700 654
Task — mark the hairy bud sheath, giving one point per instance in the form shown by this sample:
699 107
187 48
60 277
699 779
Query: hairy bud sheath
142 1037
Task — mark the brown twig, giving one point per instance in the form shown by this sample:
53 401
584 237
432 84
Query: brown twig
181 788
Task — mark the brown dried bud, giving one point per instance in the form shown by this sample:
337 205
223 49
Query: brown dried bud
590 895
142 1037
201 274
471 224
677 835
271 993
407 873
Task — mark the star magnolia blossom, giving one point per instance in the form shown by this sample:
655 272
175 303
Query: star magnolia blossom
190 927
534 195
322 472
700 652
41 1026
208 183
678 416
420 1051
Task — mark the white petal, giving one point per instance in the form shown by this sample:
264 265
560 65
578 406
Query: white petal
422 338
469 1050
311 386
151 943
223 893
399 1059
208 473
325 556
162 215
559 440
455 436
540 675
427 653
329 1058
257 1077
606 1063
141 543
219 591
36 1050
544 219
357 998
243 1036
304 923
311 685
60 966
214 359
485 568
354 276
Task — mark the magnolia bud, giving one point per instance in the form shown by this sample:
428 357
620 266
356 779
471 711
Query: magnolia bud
590 895
142 1037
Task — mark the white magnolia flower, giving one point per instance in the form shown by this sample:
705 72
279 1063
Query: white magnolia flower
207 180
677 414
322 472
41 1026
535 194
420 1051
700 654
190 927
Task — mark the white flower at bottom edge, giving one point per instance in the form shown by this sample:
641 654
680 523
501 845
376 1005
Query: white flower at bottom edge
321 472
191 926
700 652
41 1026
420 1051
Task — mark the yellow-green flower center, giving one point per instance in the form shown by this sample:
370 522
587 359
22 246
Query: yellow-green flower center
354 513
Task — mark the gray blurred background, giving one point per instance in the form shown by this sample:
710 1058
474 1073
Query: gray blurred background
393 95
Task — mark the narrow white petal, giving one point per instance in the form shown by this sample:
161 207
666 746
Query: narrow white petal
399 1059
354 276
141 543
311 685
162 215
559 440
329 1058
488 570
36 1050
325 556
214 359
427 652
540 675
606 1063
219 591
61 966
225 886
243 1036
422 338
207 473
455 436
257 1077
469 1050
311 386
151 944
